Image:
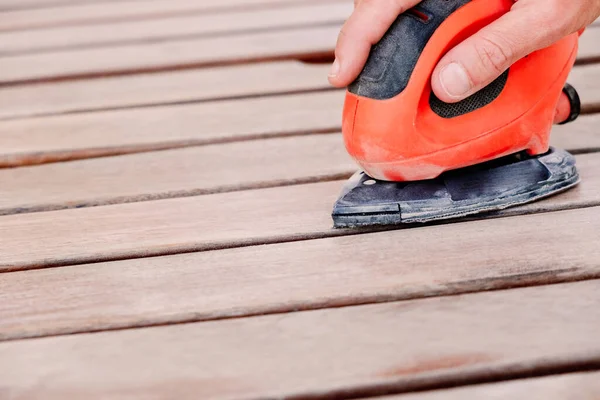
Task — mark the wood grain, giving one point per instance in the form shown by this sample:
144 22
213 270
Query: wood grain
586 79
201 85
32 4
443 260
198 170
67 137
360 350
290 43
206 222
185 26
91 13
588 46
163 88
78 136
583 386
161 56
175 173
117 5
579 137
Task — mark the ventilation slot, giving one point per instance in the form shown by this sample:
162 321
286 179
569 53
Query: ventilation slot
480 99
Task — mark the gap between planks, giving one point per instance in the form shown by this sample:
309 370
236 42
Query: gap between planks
79 5
580 386
485 337
443 260
209 222
131 11
51 139
152 90
203 85
207 169
182 54
172 29
186 54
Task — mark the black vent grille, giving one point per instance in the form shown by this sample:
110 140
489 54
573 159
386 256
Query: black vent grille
480 99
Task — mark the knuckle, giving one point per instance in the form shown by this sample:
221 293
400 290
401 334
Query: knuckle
494 54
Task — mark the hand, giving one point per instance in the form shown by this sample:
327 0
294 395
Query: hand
529 26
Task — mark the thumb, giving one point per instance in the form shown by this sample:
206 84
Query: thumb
482 58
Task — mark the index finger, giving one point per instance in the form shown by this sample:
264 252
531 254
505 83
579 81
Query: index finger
365 27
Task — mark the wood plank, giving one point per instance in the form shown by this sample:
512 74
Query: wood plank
133 58
582 386
61 5
76 136
124 59
201 85
175 173
207 222
197 170
589 51
175 28
93 13
27 4
314 274
586 78
582 136
163 88
354 350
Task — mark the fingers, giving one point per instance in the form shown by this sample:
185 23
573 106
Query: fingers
479 60
365 27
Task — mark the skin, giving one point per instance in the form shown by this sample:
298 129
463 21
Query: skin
477 61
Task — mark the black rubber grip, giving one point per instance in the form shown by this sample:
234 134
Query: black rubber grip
393 59
575 102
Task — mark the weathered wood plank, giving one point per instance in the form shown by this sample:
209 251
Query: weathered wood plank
32 4
443 260
176 28
581 136
360 350
586 78
206 222
175 173
133 58
289 43
76 136
198 170
118 5
201 85
582 386
92 13
163 88
588 46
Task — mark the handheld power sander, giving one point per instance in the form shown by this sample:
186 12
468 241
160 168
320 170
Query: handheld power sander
426 160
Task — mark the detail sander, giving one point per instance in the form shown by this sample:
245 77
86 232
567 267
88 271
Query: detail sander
426 160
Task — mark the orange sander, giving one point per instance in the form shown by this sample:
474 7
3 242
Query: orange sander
426 160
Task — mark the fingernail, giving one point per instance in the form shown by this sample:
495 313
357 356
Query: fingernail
454 80
335 68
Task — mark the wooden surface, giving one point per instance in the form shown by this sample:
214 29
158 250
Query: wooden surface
400 346
169 55
167 172
173 28
323 273
91 14
84 135
202 223
189 52
197 85
584 386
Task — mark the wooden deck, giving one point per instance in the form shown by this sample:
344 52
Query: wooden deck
167 172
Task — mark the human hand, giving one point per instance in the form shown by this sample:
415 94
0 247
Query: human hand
529 26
